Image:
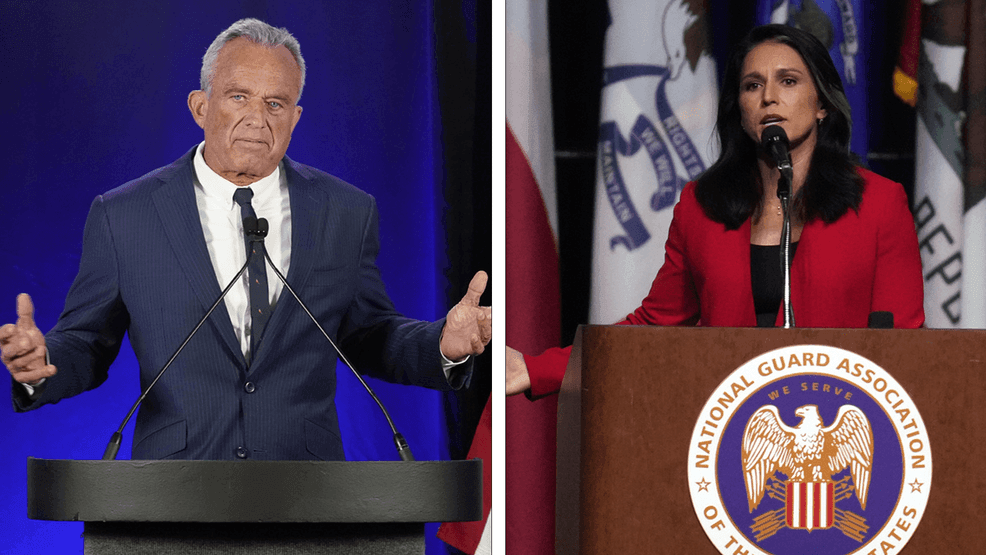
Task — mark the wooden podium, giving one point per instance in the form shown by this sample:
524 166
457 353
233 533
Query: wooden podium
142 507
632 395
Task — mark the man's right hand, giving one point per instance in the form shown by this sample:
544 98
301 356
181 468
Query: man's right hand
22 346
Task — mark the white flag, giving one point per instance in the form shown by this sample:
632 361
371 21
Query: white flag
658 114
949 203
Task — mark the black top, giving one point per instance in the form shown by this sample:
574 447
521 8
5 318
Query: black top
767 278
254 491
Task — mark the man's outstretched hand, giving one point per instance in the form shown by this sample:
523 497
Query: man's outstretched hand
468 327
22 346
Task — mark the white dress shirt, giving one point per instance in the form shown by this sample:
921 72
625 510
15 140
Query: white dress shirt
223 229
222 225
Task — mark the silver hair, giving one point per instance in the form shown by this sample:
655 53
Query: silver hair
258 32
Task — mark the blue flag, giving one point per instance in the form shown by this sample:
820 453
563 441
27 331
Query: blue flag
841 26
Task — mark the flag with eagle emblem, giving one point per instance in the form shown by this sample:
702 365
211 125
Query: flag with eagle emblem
655 134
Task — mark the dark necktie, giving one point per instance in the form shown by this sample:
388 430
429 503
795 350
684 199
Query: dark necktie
257 273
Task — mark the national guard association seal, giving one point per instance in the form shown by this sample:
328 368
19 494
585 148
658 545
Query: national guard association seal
809 449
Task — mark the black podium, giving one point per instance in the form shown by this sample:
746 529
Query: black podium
187 507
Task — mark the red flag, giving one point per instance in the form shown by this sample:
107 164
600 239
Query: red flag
906 72
533 307
532 325
466 536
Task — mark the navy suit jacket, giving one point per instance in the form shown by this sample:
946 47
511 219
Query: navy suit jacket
145 269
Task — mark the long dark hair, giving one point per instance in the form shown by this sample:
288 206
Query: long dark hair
730 191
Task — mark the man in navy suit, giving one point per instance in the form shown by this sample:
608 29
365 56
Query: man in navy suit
257 381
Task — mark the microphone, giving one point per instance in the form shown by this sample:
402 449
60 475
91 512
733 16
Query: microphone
774 140
403 449
252 229
880 320
255 229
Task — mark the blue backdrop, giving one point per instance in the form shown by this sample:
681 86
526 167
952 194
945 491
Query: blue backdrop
96 96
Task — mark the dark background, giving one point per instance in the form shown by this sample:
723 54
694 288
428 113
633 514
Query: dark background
397 102
577 32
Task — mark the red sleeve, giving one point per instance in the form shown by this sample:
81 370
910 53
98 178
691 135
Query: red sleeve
547 371
898 285
673 299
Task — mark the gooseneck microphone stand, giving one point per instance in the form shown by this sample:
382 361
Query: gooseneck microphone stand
784 193
114 445
403 449
255 231
774 140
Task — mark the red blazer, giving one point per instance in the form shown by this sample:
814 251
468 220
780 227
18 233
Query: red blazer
866 261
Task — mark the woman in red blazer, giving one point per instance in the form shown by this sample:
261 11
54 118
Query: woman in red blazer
854 246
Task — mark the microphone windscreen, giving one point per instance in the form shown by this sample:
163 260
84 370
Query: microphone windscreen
772 134
250 225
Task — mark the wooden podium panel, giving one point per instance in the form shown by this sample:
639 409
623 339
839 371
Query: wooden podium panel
632 395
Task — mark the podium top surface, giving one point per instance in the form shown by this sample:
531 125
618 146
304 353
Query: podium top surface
254 491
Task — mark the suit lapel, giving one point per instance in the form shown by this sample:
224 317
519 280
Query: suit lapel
175 203
305 202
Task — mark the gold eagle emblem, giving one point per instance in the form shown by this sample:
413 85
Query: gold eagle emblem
808 452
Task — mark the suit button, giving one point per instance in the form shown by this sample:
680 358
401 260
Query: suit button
241 452
249 387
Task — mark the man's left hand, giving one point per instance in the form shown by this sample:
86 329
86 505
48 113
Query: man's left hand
468 327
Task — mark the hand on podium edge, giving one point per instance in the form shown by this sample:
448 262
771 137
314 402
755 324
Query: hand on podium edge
22 346
518 380
468 326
